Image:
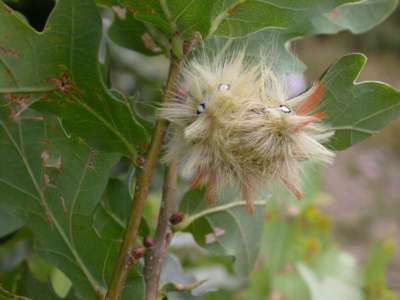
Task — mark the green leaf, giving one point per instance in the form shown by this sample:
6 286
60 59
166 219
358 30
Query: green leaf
60 283
328 288
57 201
39 268
271 23
224 228
340 265
111 215
58 69
241 17
315 19
224 18
8 224
363 16
185 16
356 110
128 32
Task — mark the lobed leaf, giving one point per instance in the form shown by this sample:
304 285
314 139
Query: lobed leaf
223 18
58 70
356 110
224 228
57 200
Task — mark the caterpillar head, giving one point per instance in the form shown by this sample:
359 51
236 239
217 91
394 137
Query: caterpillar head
231 121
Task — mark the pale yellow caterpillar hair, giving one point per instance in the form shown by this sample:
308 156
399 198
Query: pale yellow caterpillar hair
231 121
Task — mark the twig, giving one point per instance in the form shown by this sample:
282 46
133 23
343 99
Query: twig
156 254
141 191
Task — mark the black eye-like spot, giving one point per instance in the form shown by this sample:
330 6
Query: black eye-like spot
201 108
285 109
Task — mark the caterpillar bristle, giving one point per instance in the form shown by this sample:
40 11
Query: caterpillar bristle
211 188
293 189
318 116
231 122
197 179
312 101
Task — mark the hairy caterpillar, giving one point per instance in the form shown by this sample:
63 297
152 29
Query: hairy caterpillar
231 121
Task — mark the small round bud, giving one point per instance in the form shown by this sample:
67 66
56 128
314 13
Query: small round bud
141 161
148 241
176 218
138 252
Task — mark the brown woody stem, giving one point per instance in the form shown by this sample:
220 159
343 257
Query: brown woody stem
156 254
141 192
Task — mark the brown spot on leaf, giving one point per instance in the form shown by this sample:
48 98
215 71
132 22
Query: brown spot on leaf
7 9
91 164
46 180
62 202
334 13
63 83
119 11
16 99
150 10
45 156
52 161
45 142
230 12
133 10
212 237
149 43
9 52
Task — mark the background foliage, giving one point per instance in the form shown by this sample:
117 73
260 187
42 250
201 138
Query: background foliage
70 137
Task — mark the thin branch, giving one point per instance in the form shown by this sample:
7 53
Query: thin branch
141 192
156 254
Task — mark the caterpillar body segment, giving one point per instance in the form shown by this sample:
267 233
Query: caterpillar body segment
231 122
